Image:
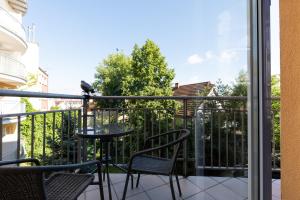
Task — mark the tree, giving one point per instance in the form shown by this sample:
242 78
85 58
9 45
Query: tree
275 88
58 135
111 74
150 75
240 86
144 73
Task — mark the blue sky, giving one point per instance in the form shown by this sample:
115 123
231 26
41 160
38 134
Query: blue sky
202 40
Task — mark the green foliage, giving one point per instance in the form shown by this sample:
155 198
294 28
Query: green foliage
232 120
241 85
54 132
222 89
144 73
27 129
275 89
150 75
111 73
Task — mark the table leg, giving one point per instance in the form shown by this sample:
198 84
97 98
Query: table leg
101 159
107 170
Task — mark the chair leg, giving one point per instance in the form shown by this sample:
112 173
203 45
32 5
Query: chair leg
126 185
138 180
108 183
131 175
172 187
104 174
178 185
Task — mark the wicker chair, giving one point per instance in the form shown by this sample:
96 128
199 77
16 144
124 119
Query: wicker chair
29 182
143 163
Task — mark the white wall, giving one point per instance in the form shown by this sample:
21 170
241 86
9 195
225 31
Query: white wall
4 4
31 58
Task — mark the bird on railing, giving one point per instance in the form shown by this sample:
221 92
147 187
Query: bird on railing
87 88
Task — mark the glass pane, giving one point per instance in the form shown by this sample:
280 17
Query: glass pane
221 132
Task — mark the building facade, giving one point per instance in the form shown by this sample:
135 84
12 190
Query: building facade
13 73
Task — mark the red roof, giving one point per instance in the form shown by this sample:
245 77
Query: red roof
191 89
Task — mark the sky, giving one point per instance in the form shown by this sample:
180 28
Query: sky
202 40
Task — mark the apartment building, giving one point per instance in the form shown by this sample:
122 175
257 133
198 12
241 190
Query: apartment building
13 74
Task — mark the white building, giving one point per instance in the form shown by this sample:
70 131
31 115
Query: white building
13 74
37 77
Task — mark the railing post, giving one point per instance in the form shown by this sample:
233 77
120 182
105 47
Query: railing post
84 124
78 138
18 137
1 135
185 151
32 135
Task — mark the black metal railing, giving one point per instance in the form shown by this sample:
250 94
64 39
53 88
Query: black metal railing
218 127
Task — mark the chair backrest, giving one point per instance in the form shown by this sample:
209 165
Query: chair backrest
178 142
175 140
21 183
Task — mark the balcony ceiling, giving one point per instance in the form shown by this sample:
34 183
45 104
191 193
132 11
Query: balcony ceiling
9 41
20 6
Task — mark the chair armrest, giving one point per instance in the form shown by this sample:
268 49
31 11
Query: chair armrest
53 168
27 160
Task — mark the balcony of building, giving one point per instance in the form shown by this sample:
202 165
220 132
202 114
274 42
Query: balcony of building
12 33
12 71
213 164
20 6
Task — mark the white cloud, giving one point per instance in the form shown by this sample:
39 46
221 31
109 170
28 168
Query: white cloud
225 56
199 59
224 24
209 55
228 55
195 59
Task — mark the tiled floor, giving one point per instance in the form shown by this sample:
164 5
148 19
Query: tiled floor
193 188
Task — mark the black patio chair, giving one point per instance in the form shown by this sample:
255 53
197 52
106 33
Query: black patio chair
143 163
65 182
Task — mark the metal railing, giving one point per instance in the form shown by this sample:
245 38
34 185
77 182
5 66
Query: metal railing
218 126
12 67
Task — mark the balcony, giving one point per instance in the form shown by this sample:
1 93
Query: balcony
12 33
193 188
12 71
10 106
19 6
214 160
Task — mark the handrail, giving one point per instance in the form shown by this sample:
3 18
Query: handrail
15 93
35 113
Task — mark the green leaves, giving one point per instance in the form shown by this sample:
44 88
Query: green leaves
144 73
111 74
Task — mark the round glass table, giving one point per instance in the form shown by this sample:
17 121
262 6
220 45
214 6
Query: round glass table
106 134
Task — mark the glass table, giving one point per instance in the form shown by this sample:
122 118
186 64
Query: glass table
106 134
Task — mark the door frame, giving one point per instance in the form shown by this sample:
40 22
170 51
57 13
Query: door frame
259 102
